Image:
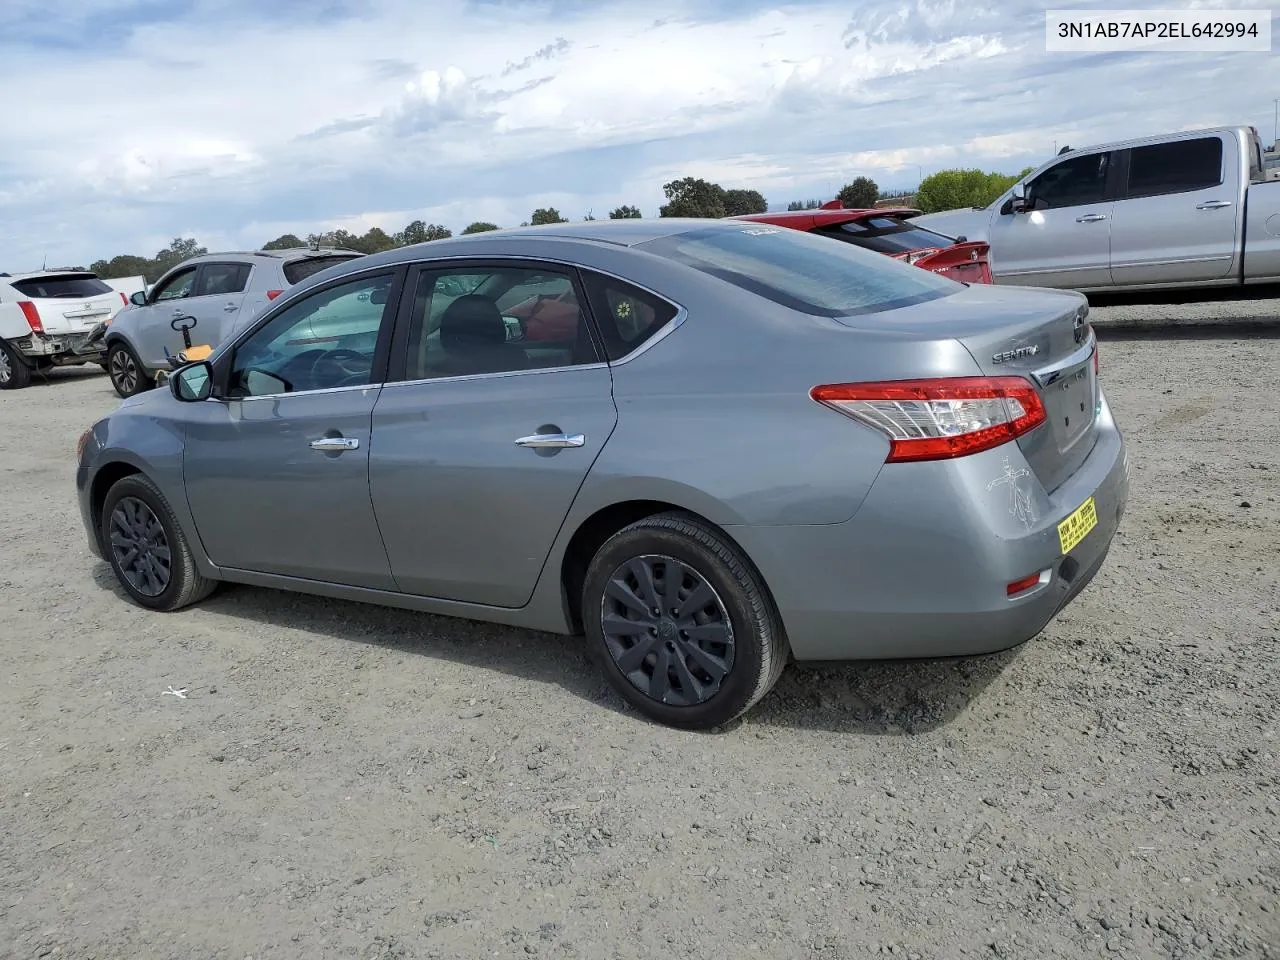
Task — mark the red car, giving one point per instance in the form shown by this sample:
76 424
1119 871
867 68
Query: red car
890 231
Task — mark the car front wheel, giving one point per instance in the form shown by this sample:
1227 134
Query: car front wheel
147 549
126 372
680 622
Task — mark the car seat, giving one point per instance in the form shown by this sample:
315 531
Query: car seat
473 336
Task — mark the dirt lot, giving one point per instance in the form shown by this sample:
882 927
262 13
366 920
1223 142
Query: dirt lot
344 781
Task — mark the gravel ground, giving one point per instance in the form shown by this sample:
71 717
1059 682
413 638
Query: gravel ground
346 781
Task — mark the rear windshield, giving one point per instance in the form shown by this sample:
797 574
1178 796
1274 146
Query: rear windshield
886 235
295 271
802 271
63 286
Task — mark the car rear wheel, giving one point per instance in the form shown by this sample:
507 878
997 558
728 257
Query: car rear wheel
680 622
126 371
14 374
146 548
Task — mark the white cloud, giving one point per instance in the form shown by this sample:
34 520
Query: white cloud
234 124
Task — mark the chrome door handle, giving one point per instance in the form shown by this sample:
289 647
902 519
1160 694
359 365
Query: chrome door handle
552 440
335 444
1091 218
1213 204
230 307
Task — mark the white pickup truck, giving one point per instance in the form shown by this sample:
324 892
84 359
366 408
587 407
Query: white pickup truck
1188 209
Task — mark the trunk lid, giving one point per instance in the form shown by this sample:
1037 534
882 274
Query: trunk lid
1043 335
69 302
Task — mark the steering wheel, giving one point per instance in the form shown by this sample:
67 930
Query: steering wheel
346 367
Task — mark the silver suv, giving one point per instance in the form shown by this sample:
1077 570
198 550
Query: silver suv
203 300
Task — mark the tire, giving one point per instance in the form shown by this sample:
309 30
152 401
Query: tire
663 545
134 504
127 374
14 373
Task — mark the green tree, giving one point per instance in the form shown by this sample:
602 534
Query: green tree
740 202
286 241
804 204
952 189
861 194
123 265
546 215
625 212
419 232
179 249
480 226
693 197
374 241
340 239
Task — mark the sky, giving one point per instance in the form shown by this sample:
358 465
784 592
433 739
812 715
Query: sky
126 123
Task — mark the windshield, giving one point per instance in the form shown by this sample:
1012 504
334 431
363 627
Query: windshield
295 271
802 271
886 235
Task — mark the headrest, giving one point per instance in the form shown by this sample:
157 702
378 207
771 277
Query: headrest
470 321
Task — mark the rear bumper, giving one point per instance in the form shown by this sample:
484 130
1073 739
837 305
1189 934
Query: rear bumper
922 569
78 347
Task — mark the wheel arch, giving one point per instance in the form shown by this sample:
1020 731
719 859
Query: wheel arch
107 476
597 528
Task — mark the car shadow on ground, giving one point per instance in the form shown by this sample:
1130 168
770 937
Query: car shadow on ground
875 698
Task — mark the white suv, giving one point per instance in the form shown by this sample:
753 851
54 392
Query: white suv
211 296
46 321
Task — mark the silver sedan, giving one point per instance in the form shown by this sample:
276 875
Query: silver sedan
709 446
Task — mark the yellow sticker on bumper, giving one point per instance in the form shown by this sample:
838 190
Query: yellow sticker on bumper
1074 529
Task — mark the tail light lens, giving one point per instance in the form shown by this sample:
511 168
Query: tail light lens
942 418
123 298
33 316
272 294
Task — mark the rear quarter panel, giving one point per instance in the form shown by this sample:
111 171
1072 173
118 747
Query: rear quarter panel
1262 232
716 416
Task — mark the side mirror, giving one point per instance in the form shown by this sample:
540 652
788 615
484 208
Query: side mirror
138 298
192 383
1018 198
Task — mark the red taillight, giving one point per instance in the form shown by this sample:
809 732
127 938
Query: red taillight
1026 583
123 298
272 294
33 316
941 418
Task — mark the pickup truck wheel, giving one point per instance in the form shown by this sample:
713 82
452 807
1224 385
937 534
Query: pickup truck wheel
680 622
147 550
126 371
14 373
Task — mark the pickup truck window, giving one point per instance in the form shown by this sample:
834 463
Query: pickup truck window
1177 167
1071 183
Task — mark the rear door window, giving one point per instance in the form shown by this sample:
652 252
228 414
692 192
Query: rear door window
1178 167
802 271
221 279
70 286
295 271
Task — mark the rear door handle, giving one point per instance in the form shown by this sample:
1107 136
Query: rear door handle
335 444
552 440
1213 204
1091 218
230 307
